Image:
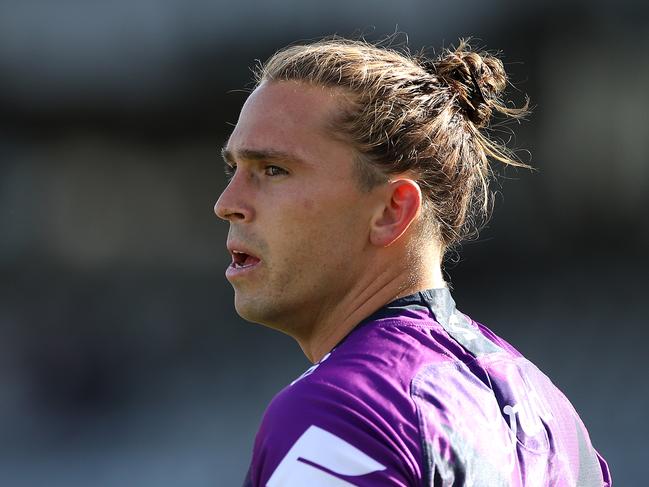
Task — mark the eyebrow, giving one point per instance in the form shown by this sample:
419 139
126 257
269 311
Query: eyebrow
259 155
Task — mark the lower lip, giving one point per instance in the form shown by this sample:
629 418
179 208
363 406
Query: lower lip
233 272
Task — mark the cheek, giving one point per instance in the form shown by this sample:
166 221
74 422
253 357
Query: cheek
308 204
308 223
302 234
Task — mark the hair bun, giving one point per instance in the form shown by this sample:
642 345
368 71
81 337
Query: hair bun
476 79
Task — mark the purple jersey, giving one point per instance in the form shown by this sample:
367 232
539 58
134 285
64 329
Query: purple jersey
418 394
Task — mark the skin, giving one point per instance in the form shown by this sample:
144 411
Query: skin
330 253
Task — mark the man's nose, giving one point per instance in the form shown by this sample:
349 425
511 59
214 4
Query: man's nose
232 205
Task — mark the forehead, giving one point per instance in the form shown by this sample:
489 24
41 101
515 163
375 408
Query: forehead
287 116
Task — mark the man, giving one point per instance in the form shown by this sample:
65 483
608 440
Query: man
353 168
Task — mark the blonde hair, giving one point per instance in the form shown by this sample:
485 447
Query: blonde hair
410 114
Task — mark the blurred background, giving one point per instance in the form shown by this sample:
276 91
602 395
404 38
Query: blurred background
122 362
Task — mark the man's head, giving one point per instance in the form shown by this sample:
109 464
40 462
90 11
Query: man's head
354 165
295 203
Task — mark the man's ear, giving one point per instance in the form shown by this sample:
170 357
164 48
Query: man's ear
401 206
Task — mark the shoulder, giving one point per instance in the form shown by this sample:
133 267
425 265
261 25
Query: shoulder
350 416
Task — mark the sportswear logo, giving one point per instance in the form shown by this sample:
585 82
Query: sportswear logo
322 449
457 327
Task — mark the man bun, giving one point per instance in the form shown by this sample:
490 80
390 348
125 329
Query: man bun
476 80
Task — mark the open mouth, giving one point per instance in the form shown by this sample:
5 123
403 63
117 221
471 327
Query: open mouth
241 260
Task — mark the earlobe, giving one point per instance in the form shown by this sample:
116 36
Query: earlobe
402 205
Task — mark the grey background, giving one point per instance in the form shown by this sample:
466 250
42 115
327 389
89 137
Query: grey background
122 362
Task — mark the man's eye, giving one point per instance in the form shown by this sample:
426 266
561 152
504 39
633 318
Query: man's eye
229 170
274 171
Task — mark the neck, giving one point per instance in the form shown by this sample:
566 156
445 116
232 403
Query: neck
367 296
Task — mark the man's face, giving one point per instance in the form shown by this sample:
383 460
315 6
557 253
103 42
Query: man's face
299 223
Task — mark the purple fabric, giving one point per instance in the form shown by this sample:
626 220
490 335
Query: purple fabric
421 395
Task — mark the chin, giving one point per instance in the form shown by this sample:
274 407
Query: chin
265 312
255 310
